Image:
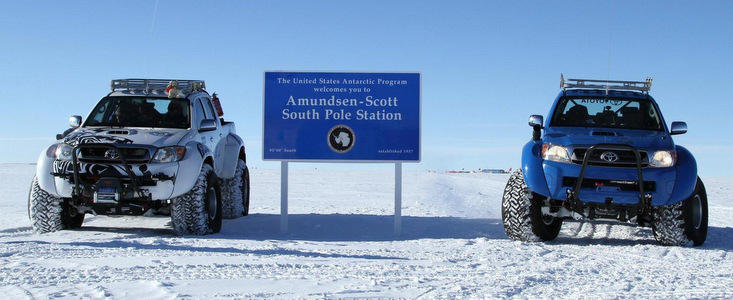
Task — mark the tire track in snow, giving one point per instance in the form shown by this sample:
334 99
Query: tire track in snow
455 198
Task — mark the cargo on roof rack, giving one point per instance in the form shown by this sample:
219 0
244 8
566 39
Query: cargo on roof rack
571 83
148 85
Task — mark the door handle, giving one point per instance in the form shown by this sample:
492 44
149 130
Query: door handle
211 139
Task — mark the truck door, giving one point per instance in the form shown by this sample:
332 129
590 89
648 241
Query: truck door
216 136
207 137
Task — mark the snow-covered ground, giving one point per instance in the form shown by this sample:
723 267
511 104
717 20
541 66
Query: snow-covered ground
340 244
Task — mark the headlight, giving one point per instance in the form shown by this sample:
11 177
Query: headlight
169 154
663 159
555 153
64 152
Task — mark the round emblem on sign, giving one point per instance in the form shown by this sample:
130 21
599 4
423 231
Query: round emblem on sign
341 138
609 156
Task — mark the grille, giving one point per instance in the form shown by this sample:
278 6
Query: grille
104 154
624 185
626 158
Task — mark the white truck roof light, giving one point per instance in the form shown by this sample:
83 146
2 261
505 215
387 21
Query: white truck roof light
571 83
158 86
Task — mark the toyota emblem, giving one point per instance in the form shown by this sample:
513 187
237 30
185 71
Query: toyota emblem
609 156
111 154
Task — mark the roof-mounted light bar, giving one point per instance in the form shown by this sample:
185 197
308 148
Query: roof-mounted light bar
159 85
642 86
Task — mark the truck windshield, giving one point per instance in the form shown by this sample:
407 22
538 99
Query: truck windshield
140 112
607 112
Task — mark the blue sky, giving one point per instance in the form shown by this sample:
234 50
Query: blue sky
486 65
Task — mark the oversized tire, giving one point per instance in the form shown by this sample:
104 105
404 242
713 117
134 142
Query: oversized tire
48 213
521 213
684 223
198 212
235 193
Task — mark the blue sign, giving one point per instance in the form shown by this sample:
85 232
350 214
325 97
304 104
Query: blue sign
332 116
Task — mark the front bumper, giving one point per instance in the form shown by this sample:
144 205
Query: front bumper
659 183
153 181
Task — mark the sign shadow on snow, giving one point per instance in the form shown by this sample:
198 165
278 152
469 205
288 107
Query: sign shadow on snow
359 227
334 227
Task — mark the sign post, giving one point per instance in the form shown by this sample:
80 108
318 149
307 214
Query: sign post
283 196
397 199
341 117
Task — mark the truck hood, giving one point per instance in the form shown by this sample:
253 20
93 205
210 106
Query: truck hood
583 136
158 137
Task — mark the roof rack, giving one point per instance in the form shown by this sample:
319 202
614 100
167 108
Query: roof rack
158 85
570 83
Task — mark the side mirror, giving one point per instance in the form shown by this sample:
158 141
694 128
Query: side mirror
678 128
207 125
536 122
59 136
75 121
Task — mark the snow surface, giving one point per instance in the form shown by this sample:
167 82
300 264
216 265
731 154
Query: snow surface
340 244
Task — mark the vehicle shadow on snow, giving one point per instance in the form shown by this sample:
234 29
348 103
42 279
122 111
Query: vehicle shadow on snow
588 233
118 244
132 231
162 245
604 233
16 229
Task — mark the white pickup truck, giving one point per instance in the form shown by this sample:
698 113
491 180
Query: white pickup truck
151 146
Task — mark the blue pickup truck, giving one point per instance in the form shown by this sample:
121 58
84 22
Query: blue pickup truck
606 152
